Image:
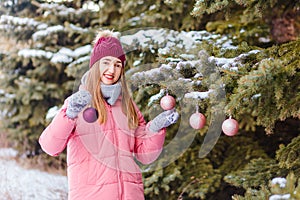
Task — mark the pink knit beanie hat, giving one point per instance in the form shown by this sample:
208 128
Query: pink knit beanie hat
107 46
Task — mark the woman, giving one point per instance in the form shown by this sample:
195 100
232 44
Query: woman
101 153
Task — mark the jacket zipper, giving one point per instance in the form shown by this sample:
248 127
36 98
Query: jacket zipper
120 182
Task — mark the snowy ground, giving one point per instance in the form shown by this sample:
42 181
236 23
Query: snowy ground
18 183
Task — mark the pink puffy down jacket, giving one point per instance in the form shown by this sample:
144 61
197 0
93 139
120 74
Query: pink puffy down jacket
100 158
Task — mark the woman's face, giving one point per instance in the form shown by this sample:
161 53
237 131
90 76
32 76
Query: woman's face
110 69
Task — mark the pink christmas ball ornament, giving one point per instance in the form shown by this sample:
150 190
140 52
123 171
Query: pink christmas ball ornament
197 120
90 115
230 127
167 102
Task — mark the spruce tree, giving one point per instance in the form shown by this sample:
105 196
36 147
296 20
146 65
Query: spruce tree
34 76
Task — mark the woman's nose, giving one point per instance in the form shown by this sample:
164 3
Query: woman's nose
111 68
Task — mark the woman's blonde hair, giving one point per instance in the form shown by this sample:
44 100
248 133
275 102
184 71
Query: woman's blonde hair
93 85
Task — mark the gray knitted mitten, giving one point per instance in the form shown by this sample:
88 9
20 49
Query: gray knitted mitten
111 92
163 120
77 102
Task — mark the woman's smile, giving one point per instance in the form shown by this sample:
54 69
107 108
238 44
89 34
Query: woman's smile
109 76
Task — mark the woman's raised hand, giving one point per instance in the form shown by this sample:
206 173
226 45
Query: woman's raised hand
77 102
163 120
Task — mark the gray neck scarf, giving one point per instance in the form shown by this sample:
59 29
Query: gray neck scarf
111 92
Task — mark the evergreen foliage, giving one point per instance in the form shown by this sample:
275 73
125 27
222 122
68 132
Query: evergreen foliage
288 187
34 77
251 20
288 156
240 66
267 92
165 13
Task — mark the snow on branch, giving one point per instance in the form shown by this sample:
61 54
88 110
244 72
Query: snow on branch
43 33
64 55
17 23
232 63
198 95
78 29
158 39
58 9
27 53
156 97
155 75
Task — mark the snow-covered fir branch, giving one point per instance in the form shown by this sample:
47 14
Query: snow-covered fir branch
198 95
63 55
158 39
17 24
45 32
59 9
232 63
28 53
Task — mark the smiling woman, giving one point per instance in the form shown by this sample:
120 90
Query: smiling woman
101 153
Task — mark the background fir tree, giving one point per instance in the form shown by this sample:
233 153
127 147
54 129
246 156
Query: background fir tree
34 77
239 66
276 20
